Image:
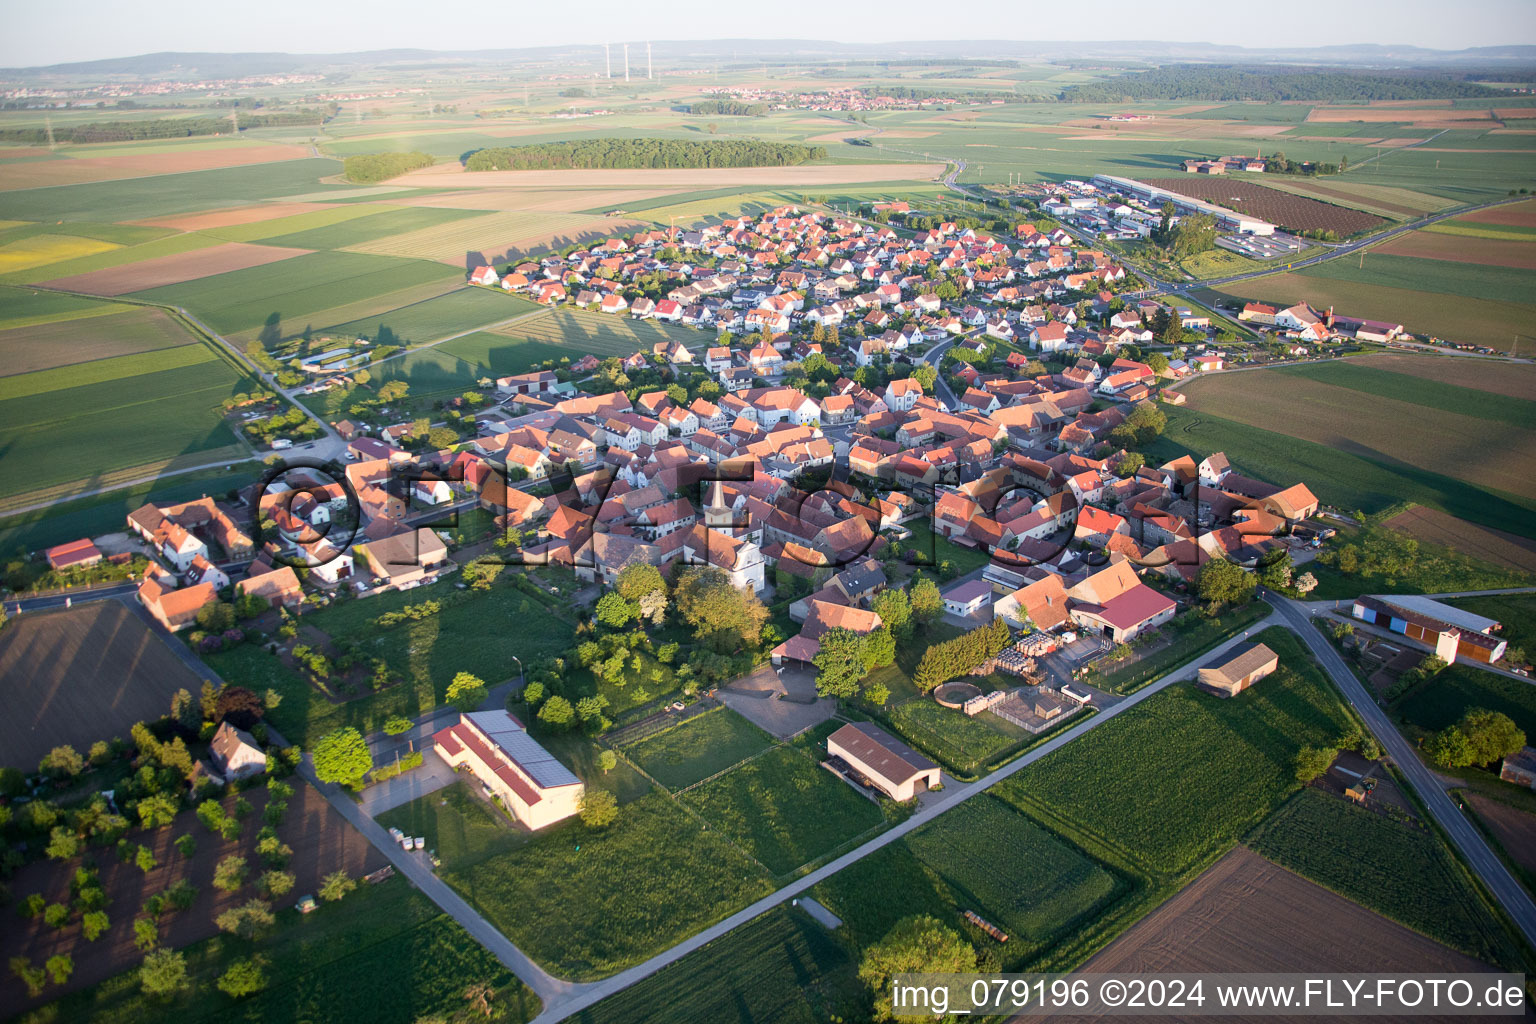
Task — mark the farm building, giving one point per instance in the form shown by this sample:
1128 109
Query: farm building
405 557
174 609
1520 768
236 753
1126 616
535 788
1241 669
891 766
968 598
1450 632
77 554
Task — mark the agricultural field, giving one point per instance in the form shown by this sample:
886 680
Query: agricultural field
455 312
702 746
960 742
782 967
1370 376
116 256
587 902
380 221
1411 446
163 195
1460 688
1492 279
498 238
79 675
175 269
310 217
122 331
1172 785
294 290
167 400
104 163
27 307
1324 838
1292 212
784 809
1515 556
1517 254
1381 200
1514 380
386 955
1247 914
41 250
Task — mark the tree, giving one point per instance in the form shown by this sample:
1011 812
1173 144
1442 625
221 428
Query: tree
615 612
917 944
395 725
442 437
56 916
275 884
895 610
343 757
145 935
35 978
1450 748
642 584
216 616
557 711
1312 762
336 886
877 694
927 602
185 710
598 808
1224 582
229 874
839 663
1274 569
467 692
724 618
60 966
1127 465
63 844
243 978
1158 362
607 760
144 859
93 923
62 763
247 920
164 974
239 706
1491 735
879 649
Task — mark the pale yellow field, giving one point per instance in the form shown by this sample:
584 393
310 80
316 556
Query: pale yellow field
497 235
41 250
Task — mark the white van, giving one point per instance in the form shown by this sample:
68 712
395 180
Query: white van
280 443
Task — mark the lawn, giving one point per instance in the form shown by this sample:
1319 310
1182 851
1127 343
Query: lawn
1459 689
470 634
58 423
587 902
294 290
937 551
1172 784
1194 633
159 195
1350 480
960 742
1396 869
698 748
456 823
784 809
386 955
781 967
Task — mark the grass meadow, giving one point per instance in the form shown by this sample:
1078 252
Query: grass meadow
698 748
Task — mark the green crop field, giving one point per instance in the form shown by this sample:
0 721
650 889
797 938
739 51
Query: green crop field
1348 480
698 748
386 955
961 742
25 307
85 337
1257 113
469 634
1172 785
314 220
56 425
294 289
1396 869
159 195
115 234
452 313
1445 277
1459 689
784 809
781 967
1473 229
586 902
1012 872
381 222
172 245
1363 377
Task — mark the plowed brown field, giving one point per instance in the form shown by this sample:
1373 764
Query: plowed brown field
187 266
1519 214
1245 914
229 218
1481 542
1462 249
71 171
1513 828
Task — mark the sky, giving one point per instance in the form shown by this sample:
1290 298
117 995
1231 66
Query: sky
43 33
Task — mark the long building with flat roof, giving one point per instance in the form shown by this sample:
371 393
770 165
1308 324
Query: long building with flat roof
531 784
1226 219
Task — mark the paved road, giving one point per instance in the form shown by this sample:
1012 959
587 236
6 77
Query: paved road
578 998
1514 899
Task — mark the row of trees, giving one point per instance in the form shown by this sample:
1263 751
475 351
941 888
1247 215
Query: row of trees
599 153
943 662
367 168
1228 84
157 128
729 108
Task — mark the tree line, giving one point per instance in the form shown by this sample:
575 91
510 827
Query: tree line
730 108
157 128
1228 84
367 168
606 153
